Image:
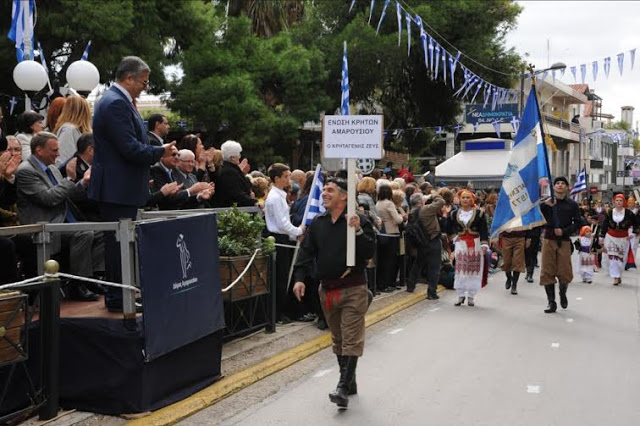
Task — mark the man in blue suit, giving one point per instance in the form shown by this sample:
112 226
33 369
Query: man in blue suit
122 156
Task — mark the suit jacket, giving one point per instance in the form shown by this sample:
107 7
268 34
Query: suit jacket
38 199
185 179
181 200
122 153
153 139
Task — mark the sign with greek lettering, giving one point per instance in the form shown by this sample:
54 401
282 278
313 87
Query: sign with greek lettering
180 281
478 113
352 136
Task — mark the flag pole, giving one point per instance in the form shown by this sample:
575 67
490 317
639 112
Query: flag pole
304 221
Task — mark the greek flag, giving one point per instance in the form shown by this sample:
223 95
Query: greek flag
581 183
18 32
344 104
527 177
315 204
85 54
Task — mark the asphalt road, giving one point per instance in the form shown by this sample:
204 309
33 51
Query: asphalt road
502 362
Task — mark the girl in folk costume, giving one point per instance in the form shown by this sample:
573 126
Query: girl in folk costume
633 208
586 258
615 234
467 228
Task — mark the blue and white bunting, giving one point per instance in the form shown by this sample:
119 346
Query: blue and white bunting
373 3
444 66
594 69
353 3
344 103
607 66
526 178
515 123
632 55
621 62
475 126
456 129
437 60
408 19
431 55
583 72
452 67
496 127
382 15
573 72
476 93
399 16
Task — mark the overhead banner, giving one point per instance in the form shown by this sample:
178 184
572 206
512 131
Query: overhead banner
180 280
352 136
480 114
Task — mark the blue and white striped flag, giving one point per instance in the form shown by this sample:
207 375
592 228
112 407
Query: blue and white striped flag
85 54
344 104
581 183
315 204
527 177
43 61
18 32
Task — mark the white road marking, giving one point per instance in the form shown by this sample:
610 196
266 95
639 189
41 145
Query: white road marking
322 373
569 319
578 298
434 309
533 389
397 330
555 345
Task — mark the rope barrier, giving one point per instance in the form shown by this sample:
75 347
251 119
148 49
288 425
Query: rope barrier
230 286
285 245
63 275
22 283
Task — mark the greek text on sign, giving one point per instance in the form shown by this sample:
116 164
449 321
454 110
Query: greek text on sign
352 136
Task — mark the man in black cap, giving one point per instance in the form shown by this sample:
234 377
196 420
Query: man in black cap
343 290
563 219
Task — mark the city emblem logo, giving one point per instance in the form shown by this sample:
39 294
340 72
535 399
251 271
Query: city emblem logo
185 256
511 169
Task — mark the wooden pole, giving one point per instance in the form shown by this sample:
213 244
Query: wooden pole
351 210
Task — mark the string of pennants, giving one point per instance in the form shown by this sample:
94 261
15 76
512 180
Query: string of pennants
438 130
440 63
595 67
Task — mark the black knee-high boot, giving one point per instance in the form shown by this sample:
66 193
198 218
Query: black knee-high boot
507 285
347 375
551 297
563 296
514 282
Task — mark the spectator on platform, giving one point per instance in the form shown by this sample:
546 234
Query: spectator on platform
120 176
165 171
45 196
184 169
10 158
28 124
232 186
77 165
54 111
158 127
203 165
74 120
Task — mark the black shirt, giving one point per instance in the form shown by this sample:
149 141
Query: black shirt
568 217
326 242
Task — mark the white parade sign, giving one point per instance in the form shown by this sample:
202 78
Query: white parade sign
352 136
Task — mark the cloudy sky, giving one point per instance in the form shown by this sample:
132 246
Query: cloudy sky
580 32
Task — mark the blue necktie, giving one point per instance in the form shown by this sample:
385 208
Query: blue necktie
70 218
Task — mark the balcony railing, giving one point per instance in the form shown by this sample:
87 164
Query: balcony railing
562 124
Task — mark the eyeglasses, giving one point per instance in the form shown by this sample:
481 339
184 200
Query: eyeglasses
175 155
145 83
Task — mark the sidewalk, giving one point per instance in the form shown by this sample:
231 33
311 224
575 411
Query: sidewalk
246 361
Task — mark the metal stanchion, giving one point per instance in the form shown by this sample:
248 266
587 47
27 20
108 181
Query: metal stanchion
50 338
271 326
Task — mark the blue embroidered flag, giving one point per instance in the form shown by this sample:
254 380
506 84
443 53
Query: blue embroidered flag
527 177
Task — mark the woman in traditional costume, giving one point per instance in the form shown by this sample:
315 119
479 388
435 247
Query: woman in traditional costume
467 228
616 232
633 207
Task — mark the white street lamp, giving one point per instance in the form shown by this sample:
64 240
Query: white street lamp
30 77
83 76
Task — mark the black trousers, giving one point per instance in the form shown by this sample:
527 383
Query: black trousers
429 259
110 212
284 255
531 254
8 261
387 263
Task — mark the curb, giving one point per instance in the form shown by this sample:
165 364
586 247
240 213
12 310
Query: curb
229 385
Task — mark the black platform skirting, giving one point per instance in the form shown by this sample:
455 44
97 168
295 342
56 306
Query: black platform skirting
102 369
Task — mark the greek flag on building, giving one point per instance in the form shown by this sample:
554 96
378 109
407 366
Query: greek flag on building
527 176
581 183
315 204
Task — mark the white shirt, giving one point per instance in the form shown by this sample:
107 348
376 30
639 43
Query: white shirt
617 216
465 216
276 213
